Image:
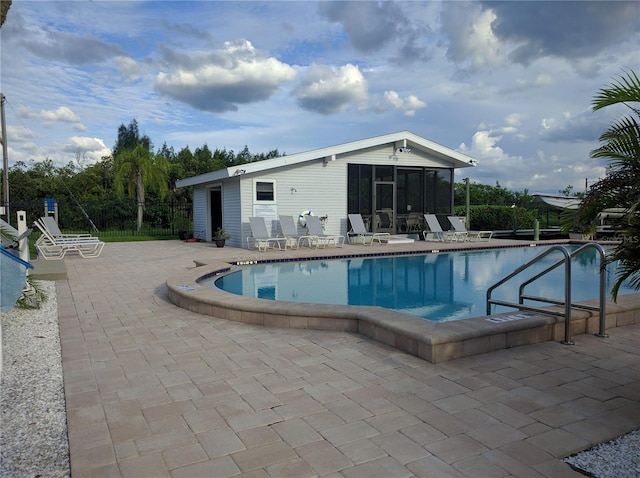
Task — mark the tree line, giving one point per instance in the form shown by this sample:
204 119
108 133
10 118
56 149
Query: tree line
133 169
133 165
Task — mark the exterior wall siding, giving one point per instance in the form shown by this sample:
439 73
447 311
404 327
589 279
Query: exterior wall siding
232 212
200 202
319 186
384 155
315 186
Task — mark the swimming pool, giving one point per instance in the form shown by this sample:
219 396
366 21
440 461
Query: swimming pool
438 287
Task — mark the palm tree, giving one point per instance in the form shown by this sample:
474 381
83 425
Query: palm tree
138 168
620 144
4 10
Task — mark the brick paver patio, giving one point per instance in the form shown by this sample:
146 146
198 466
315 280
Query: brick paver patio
153 390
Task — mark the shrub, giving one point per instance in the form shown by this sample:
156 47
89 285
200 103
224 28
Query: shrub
495 218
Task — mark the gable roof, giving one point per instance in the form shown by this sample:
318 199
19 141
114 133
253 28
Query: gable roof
400 139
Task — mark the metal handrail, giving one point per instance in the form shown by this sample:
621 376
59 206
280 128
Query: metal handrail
602 286
566 260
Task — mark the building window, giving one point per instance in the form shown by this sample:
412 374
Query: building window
265 191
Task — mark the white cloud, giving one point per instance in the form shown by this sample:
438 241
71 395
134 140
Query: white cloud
470 33
92 149
330 90
60 114
408 106
128 67
498 75
220 80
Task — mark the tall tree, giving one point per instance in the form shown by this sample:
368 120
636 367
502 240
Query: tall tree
138 168
620 145
129 137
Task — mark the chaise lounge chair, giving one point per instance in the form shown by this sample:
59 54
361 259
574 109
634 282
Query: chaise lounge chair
320 239
52 246
459 227
359 232
52 226
290 232
260 238
437 233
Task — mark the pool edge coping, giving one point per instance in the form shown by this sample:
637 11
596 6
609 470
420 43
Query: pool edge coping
434 342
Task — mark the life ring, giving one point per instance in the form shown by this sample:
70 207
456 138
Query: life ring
301 217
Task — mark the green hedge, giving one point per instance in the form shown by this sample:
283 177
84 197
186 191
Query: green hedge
493 218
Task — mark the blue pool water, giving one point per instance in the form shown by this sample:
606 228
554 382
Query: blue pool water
438 287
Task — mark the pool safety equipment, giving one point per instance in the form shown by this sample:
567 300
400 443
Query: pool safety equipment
302 219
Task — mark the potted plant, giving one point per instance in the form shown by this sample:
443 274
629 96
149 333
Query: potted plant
220 236
576 228
183 225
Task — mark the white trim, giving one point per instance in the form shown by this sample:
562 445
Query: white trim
409 140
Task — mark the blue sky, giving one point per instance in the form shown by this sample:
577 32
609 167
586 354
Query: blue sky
508 83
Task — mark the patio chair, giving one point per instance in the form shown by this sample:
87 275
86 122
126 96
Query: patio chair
459 227
359 231
290 232
260 237
52 247
51 224
320 239
437 233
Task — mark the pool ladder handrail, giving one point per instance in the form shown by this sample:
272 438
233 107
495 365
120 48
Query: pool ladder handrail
566 260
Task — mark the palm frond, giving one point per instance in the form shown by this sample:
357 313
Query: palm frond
624 90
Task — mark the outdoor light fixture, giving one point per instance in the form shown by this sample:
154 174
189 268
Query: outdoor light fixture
294 190
326 159
401 147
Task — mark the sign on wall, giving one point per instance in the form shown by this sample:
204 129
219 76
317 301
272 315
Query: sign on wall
269 212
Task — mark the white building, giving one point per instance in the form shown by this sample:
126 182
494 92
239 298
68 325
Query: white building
391 180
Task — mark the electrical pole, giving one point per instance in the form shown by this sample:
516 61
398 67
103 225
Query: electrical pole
5 160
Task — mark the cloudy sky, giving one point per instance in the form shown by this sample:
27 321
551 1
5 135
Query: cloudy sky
510 83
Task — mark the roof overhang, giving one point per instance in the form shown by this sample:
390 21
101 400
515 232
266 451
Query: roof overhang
403 139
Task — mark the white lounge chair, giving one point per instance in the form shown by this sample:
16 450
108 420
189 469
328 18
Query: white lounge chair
290 232
437 233
260 237
52 247
320 239
459 227
359 232
52 226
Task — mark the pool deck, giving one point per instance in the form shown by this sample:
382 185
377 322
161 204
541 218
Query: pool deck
433 341
157 390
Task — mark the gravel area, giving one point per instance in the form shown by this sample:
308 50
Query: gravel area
33 441
619 458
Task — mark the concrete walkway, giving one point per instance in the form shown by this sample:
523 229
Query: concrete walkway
153 390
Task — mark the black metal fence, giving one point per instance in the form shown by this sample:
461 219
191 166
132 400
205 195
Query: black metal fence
115 218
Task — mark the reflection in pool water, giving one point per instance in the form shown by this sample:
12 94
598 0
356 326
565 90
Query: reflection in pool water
439 287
